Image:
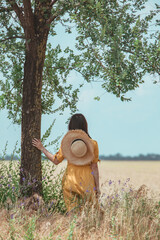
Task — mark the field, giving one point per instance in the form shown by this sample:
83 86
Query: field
130 197
140 173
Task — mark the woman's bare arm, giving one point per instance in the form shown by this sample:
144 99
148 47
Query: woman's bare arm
37 143
94 167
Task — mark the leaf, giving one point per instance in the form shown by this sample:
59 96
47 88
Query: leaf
98 5
97 98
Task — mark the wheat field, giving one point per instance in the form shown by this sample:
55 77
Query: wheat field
139 172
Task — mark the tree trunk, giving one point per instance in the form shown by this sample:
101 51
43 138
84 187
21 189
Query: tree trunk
31 171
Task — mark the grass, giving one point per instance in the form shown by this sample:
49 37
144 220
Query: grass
128 213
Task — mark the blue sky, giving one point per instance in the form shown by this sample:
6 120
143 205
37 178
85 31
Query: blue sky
129 128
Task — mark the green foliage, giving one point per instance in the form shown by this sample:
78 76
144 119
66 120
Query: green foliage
9 178
113 44
72 226
57 68
12 55
10 188
46 135
52 187
9 182
12 229
51 182
97 98
30 228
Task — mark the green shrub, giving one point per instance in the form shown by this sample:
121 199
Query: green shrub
10 187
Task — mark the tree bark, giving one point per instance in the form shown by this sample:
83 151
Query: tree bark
36 30
31 171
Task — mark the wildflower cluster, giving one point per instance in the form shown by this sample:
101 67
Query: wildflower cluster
126 207
114 192
10 186
9 181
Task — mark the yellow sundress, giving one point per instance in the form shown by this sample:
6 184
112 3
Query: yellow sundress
78 181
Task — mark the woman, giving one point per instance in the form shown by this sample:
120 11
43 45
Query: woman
81 179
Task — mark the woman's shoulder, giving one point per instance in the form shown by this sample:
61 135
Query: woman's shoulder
94 142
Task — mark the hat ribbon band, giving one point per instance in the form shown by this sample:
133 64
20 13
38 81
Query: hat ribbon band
78 139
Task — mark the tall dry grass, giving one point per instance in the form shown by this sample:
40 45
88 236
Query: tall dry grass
125 213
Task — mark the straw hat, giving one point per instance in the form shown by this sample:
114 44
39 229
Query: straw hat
77 147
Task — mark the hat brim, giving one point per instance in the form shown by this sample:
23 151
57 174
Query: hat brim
67 140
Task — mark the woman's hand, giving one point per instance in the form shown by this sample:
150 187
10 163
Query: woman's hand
37 143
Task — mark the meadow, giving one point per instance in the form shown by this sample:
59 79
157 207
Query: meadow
130 203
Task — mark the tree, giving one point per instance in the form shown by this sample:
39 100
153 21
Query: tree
113 46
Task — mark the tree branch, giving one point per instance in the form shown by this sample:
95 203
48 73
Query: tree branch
100 62
54 17
18 11
51 19
6 39
53 2
5 9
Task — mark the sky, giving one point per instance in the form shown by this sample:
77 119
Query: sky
128 128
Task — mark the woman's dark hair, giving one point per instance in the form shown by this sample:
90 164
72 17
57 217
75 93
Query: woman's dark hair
78 121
